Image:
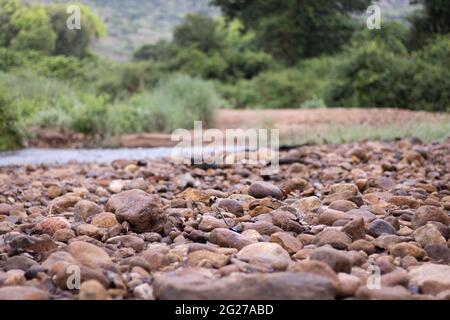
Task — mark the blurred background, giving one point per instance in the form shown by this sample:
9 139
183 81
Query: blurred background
309 67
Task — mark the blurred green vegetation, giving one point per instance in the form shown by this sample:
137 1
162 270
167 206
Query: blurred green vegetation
255 56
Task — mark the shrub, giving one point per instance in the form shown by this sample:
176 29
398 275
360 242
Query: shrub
11 130
175 103
431 77
314 103
52 118
372 76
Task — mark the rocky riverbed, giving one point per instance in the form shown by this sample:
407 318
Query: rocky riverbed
362 221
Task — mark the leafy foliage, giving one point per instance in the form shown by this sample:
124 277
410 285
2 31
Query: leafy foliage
293 29
74 42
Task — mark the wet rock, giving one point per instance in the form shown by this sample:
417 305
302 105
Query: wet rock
84 210
263 189
429 213
141 210
187 285
379 227
265 254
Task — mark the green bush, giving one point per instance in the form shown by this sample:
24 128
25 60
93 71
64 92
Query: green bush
52 118
314 103
179 101
287 88
129 79
372 76
11 128
431 77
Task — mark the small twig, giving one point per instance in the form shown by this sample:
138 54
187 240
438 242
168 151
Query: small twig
223 218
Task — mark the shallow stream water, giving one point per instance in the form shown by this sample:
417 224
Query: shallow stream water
62 156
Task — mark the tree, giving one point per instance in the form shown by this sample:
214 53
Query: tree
201 32
75 42
160 51
34 31
293 29
436 16
7 30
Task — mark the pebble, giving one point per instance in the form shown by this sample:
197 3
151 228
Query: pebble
23 293
141 210
104 220
333 237
429 213
263 189
379 227
265 254
337 260
431 278
229 239
93 290
287 241
51 225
